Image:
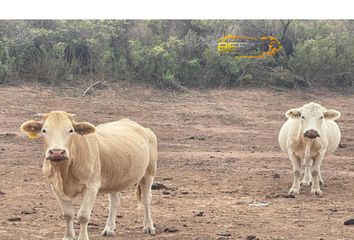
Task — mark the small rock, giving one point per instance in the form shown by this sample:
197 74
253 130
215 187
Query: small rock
2 193
276 196
2 149
251 237
158 186
201 138
289 196
184 192
333 210
277 175
167 178
26 212
93 224
200 213
342 145
212 157
14 219
171 229
27 179
225 234
166 193
349 222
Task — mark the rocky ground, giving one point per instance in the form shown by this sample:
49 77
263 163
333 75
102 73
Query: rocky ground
220 166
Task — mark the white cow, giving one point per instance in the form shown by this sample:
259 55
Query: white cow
309 134
83 159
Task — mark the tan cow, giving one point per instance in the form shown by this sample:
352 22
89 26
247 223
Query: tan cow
309 134
83 159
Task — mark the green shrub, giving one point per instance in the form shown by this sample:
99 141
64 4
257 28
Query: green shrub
175 53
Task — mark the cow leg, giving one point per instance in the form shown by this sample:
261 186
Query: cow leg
145 186
114 201
68 214
88 200
296 161
315 172
307 177
320 178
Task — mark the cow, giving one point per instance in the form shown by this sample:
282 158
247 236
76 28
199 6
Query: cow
309 134
81 159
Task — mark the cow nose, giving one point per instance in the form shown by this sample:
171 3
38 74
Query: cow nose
311 134
56 153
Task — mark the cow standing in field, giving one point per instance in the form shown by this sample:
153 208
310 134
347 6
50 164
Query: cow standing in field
309 134
83 159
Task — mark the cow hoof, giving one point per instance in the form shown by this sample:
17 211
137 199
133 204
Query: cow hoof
107 233
316 192
305 183
149 230
293 192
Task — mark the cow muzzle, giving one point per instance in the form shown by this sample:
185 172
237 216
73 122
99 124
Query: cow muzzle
57 155
311 134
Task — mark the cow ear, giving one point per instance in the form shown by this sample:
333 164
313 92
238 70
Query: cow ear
331 114
84 128
293 113
32 128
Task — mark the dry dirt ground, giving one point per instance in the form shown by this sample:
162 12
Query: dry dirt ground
218 154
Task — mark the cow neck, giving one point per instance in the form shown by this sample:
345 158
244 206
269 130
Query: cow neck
58 176
61 168
77 150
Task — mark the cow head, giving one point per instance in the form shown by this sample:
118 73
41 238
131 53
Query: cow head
57 128
312 116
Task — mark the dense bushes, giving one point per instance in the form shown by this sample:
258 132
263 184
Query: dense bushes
328 59
173 53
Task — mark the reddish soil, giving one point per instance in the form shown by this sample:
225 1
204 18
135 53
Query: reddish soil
218 152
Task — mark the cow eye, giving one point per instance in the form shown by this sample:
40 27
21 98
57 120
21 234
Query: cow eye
44 131
302 117
321 118
71 130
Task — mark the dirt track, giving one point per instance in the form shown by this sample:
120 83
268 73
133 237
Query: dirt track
218 152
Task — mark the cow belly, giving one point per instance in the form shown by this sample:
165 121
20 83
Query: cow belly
124 170
119 181
124 156
333 136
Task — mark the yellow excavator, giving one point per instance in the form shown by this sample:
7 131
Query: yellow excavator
263 46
